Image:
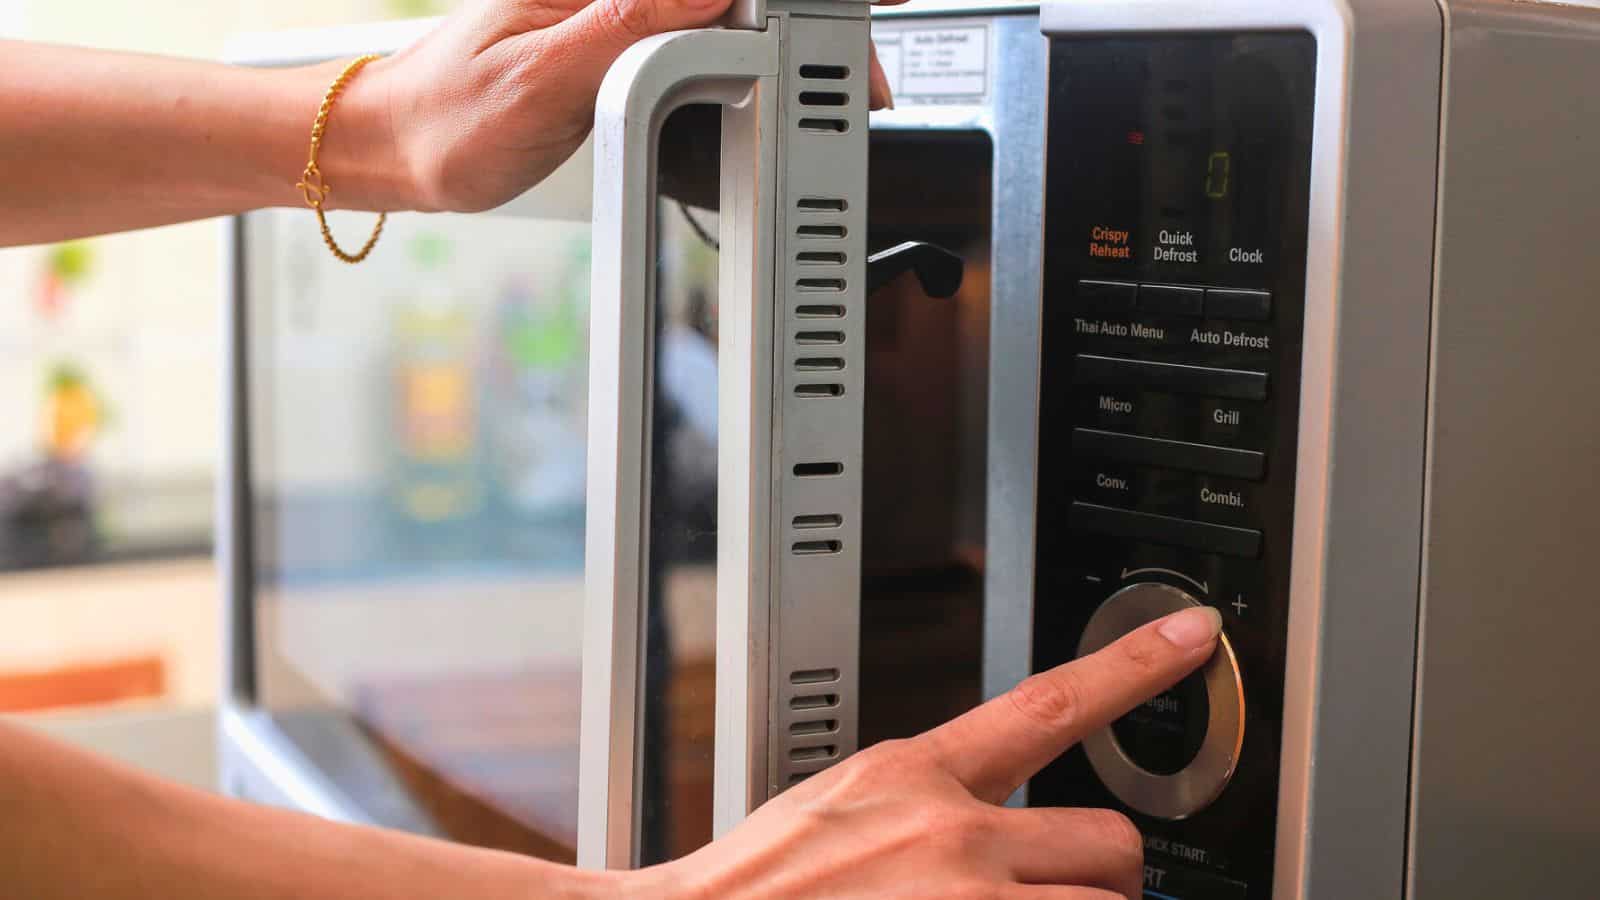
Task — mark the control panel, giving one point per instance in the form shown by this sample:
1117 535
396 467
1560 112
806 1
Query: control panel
1178 184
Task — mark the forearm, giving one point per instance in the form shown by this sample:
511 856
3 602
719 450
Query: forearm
73 826
94 142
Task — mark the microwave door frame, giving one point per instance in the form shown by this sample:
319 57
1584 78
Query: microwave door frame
738 70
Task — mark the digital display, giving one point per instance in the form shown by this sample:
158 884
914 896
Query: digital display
1177 158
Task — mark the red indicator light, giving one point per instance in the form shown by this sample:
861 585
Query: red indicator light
1136 138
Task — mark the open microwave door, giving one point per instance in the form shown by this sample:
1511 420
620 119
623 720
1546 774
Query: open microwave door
784 547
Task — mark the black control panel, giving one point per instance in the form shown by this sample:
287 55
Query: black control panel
1176 219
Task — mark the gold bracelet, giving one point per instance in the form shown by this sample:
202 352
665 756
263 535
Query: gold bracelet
312 186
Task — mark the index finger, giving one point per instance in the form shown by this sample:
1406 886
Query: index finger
997 747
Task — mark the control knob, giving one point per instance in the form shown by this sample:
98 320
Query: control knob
1172 756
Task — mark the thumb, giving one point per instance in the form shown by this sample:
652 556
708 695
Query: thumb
585 45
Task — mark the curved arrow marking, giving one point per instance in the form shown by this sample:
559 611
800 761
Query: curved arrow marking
1129 573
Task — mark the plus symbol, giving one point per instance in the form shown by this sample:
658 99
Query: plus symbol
1239 606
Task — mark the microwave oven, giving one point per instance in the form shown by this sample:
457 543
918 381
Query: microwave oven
1276 306
403 520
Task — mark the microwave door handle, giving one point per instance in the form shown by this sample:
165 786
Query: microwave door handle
736 69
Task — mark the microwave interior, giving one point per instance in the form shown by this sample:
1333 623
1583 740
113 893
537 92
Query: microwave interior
415 436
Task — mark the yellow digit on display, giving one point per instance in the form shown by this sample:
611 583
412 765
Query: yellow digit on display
1218 170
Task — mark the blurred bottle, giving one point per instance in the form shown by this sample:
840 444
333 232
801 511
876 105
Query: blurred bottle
47 513
72 413
537 394
66 266
435 474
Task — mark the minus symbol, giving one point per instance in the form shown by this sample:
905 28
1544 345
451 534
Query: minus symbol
1093 578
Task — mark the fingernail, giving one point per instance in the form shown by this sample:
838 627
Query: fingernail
1192 628
878 84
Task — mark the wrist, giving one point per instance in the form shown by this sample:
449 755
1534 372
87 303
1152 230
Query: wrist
659 882
360 156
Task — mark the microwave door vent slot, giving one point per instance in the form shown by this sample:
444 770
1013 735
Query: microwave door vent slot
818 469
811 364
824 126
814 729
814 258
817 548
812 702
829 232
824 98
824 73
818 391
814 754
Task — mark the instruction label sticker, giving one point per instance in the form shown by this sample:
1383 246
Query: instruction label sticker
936 65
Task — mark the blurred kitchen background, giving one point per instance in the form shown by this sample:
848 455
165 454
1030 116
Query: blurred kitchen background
109 371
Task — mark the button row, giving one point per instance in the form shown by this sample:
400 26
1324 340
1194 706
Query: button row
1130 524
1123 297
1233 384
1207 498
1202 420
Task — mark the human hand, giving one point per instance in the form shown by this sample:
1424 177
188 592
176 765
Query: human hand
920 818
502 93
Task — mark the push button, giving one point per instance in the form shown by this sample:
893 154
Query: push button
1133 525
1171 300
1229 423
1219 500
1110 298
1111 484
1222 415
1148 451
1234 384
1115 406
1212 337
1230 303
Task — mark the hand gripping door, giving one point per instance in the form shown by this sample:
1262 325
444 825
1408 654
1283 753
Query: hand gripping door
789 412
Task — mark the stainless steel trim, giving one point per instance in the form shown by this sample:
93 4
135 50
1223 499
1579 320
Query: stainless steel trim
1504 792
947 8
232 517
1346 764
749 14
1183 793
643 87
1016 127
258 763
232 527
